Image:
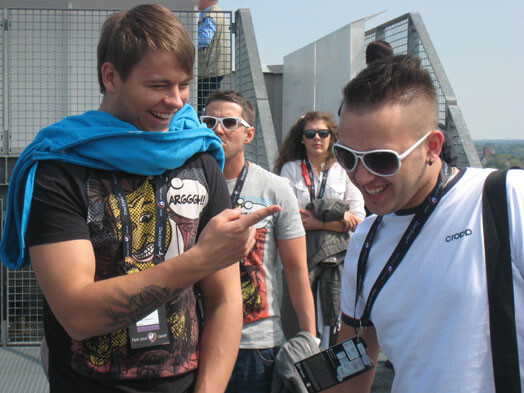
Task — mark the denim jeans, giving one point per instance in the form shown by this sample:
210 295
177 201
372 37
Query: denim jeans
253 372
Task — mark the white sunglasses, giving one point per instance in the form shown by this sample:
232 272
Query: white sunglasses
381 162
229 123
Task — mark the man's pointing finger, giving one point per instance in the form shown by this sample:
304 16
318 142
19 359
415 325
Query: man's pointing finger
253 218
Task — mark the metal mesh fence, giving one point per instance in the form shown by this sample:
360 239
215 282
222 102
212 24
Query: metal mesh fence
48 74
52 66
397 35
214 56
24 307
51 73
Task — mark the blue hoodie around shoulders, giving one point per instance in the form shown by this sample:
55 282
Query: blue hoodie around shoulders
99 140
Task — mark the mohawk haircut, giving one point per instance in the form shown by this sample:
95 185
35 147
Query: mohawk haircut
395 79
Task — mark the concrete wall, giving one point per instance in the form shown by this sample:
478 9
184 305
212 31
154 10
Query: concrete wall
273 75
315 74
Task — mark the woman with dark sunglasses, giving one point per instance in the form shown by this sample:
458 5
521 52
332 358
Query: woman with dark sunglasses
330 205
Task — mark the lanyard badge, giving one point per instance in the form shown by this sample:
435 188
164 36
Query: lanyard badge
238 186
307 173
152 329
423 212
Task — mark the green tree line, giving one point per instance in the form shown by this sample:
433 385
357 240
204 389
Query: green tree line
503 153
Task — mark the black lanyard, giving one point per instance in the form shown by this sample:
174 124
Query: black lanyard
415 226
311 184
127 225
239 184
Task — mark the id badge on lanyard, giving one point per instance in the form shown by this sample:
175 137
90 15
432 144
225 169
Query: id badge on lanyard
151 330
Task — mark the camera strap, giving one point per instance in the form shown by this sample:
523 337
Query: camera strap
501 296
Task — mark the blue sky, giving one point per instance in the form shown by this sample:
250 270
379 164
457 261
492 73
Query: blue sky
479 43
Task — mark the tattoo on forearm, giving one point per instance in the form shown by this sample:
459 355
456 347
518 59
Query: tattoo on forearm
124 310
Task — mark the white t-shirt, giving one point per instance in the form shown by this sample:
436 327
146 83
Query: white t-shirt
432 316
338 186
261 271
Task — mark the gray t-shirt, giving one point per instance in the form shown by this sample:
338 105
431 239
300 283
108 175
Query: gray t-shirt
261 270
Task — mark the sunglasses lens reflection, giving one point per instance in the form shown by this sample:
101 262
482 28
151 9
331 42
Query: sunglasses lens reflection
209 122
345 158
383 163
229 123
310 134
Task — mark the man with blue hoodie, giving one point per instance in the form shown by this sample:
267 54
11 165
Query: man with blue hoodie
121 211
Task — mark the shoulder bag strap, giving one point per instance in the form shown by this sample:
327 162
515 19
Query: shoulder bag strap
500 284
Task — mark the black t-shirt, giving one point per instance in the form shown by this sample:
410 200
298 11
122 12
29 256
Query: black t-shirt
72 202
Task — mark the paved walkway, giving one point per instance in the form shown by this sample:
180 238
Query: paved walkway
21 372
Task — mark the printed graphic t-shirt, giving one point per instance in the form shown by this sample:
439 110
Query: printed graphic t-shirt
261 270
72 202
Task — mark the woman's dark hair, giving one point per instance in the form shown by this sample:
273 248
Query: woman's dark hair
293 149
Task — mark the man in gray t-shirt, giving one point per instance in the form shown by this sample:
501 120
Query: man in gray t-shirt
229 114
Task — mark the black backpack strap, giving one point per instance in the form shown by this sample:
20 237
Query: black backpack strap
500 284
